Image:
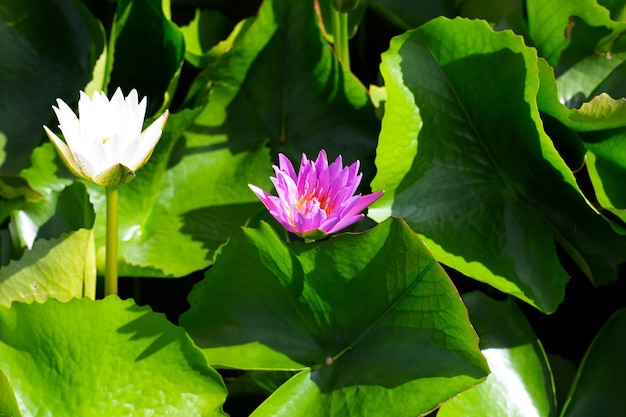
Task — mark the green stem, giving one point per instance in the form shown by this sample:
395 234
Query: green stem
110 273
340 36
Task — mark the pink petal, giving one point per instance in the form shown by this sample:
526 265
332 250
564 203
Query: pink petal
286 166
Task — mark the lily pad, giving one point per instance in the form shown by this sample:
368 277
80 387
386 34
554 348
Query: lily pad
482 183
106 357
368 317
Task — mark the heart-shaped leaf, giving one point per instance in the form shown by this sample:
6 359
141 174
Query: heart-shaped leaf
370 317
483 184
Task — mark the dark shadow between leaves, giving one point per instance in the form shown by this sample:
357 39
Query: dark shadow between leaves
154 325
148 326
213 225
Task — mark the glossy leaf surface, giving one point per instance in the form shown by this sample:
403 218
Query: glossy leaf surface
367 317
520 383
106 357
483 185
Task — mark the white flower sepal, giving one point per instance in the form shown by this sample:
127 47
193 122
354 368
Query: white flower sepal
105 144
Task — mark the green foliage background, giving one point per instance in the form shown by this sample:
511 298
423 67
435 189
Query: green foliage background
487 280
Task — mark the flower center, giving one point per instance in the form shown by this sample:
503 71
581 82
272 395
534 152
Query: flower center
311 203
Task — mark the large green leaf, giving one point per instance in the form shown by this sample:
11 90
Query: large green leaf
520 383
463 157
185 202
48 50
370 319
268 87
106 357
599 387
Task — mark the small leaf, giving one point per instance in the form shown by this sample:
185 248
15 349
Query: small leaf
600 113
549 23
208 36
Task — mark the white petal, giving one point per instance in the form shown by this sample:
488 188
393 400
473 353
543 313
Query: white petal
66 154
69 124
149 138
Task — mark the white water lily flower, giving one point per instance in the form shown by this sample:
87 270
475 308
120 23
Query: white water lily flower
105 143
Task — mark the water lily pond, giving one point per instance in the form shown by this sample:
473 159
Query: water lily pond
312 208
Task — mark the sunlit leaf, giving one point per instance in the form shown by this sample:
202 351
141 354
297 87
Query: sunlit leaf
208 36
483 184
370 319
53 268
551 24
106 357
606 163
520 383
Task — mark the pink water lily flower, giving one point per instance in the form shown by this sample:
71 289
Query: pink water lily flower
317 201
